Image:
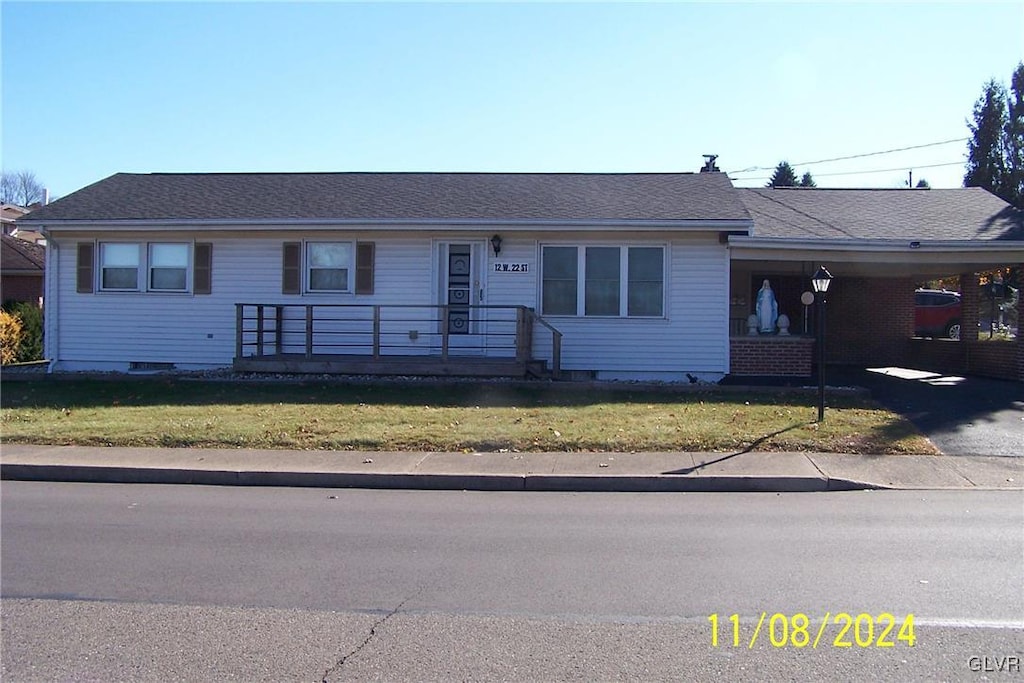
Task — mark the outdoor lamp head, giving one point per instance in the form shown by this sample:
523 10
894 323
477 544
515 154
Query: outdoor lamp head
496 244
821 280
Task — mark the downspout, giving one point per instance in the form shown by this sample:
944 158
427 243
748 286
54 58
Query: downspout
51 302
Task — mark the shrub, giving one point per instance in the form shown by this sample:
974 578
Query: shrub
31 317
11 335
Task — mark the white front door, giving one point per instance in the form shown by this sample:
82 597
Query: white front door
461 288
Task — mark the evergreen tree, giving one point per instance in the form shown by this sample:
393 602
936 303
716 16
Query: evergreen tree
784 176
806 180
986 163
1014 141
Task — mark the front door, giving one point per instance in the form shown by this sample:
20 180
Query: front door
462 289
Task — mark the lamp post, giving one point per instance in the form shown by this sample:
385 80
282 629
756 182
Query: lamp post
820 282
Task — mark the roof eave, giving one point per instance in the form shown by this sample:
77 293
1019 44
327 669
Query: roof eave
702 224
876 245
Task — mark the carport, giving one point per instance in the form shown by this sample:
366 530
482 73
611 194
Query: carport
878 244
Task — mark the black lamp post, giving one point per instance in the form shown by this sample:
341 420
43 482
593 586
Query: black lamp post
820 282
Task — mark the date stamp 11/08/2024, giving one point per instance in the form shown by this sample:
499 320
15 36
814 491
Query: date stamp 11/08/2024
840 630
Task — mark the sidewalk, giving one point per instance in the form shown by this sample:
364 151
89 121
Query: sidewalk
755 471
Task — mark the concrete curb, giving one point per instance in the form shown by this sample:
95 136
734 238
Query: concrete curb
433 481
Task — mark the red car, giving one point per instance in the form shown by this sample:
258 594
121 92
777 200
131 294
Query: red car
936 313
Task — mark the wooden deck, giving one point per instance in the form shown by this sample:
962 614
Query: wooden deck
430 366
377 339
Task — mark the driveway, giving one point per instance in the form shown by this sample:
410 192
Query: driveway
961 415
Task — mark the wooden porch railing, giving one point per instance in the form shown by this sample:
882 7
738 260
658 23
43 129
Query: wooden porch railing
379 330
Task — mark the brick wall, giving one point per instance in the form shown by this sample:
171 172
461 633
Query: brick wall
28 288
937 355
771 356
868 321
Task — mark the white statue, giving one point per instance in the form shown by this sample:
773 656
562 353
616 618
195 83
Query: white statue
767 309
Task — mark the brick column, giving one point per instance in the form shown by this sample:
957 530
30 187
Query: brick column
970 298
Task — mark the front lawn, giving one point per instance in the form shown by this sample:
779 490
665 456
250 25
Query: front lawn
479 416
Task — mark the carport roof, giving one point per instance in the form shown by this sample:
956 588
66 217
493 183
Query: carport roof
946 215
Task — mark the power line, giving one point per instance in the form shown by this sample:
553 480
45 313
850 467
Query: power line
909 167
854 156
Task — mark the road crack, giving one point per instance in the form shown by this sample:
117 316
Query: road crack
369 636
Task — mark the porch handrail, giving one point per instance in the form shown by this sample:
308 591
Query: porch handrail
556 344
263 330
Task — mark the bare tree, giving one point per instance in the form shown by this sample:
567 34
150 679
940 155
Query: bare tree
21 188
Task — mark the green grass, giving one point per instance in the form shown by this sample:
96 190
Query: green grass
454 417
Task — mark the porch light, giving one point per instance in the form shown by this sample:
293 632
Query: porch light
496 244
821 280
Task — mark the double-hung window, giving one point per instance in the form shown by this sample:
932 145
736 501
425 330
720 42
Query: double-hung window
603 281
328 265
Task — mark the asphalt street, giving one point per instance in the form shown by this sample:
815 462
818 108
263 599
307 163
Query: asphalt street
163 582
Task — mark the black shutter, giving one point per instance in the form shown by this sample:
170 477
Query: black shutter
291 272
364 267
86 264
202 269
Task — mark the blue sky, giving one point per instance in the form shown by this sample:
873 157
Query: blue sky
92 89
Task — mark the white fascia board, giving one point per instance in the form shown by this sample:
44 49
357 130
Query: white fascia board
397 225
773 244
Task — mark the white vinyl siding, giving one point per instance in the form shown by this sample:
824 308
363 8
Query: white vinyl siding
691 336
109 330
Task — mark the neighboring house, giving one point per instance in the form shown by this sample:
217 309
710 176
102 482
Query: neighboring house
21 270
613 276
9 215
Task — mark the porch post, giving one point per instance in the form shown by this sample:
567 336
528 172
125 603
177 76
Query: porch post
309 331
524 336
444 332
376 332
259 331
239 322
278 328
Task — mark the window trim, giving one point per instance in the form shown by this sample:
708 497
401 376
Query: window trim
624 281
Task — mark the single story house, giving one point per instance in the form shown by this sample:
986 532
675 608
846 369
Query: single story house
576 275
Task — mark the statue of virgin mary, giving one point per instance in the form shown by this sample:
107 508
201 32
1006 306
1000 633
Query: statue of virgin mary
767 309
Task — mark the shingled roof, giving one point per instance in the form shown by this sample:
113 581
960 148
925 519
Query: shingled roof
401 197
882 214
21 256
